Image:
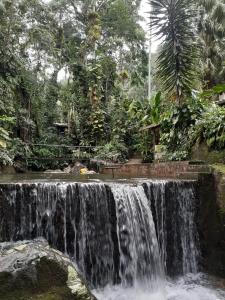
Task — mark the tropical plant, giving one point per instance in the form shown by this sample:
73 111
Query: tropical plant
156 108
176 127
214 92
146 112
211 24
210 128
114 151
173 21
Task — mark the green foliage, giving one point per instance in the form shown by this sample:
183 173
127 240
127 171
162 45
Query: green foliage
82 154
142 114
214 91
178 155
5 159
97 126
114 151
211 128
143 146
176 64
43 40
194 122
176 127
156 108
211 35
4 137
85 65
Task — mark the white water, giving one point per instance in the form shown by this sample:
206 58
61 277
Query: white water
111 231
139 251
190 287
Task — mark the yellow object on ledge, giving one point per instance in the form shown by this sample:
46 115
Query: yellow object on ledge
84 171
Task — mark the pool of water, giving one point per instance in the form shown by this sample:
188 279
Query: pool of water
190 287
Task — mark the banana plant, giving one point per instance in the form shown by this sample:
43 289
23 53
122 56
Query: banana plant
156 108
146 112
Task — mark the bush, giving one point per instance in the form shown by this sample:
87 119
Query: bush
211 128
114 151
177 127
5 159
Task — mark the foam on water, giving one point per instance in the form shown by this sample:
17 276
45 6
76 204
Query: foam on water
125 238
190 287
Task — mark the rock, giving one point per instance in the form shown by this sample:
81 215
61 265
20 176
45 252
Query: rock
7 170
74 169
54 171
31 270
20 166
91 172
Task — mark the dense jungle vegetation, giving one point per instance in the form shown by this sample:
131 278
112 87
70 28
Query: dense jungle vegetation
84 64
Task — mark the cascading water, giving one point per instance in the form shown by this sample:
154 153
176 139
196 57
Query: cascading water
139 252
123 237
173 205
79 219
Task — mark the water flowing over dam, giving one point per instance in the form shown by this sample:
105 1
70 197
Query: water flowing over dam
119 234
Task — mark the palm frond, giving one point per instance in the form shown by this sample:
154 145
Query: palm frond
173 21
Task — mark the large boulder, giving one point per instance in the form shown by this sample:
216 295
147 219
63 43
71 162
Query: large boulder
31 270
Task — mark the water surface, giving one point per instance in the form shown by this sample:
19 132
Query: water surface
190 287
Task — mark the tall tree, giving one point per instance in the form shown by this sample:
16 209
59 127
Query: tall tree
173 21
211 28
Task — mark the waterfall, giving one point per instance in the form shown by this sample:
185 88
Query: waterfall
174 206
139 253
117 233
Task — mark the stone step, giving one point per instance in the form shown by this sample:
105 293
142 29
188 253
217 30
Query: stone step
192 175
134 161
199 168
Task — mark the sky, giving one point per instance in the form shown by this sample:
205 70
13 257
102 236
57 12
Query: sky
145 8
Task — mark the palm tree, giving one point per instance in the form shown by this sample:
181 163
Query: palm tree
173 22
211 27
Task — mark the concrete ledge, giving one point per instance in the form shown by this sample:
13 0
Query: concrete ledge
157 170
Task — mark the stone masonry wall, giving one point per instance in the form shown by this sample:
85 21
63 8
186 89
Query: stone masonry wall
153 170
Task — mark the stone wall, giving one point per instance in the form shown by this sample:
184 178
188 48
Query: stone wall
210 216
155 170
211 222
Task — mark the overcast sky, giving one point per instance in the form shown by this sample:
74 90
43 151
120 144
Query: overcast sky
145 8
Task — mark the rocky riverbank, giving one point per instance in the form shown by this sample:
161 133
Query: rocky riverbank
31 270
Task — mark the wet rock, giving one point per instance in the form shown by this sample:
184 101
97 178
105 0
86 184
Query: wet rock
32 270
75 168
20 166
54 171
7 170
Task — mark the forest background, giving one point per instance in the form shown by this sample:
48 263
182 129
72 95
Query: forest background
84 65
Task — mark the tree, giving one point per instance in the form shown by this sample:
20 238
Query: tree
211 32
91 43
173 21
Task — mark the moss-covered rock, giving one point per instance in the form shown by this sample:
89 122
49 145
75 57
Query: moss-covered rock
33 271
